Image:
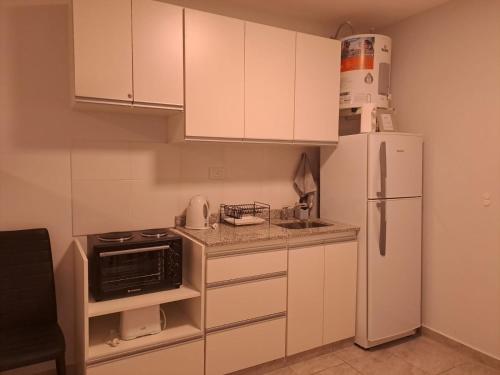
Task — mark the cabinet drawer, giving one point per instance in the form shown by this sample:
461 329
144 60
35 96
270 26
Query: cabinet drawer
244 301
246 265
168 361
247 346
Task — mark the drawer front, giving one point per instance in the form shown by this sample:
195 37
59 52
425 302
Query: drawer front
247 346
244 301
246 265
169 361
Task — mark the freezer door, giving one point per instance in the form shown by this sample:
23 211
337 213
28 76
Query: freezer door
394 165
394 267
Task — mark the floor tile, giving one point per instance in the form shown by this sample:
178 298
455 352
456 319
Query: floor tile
281 371
354 351
429 355
343 369
316 364
472 369
384 364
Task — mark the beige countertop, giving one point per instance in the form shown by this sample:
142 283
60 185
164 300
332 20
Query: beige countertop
225 234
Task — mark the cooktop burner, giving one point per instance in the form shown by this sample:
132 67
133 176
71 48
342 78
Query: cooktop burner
115 236
158 233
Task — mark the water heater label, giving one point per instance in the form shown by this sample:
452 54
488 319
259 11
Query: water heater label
357 54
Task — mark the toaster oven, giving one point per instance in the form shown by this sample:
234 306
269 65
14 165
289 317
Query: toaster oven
133 264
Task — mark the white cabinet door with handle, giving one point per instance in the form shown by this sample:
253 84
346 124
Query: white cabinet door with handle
305 298
340 291
317 89
214 67
102 32
157 53
269 82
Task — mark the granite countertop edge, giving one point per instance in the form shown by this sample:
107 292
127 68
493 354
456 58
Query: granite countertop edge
228 235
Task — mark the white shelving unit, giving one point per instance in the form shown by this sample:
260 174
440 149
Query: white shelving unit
186 291
179 326
96 321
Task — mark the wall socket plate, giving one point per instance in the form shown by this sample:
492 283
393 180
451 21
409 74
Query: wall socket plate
216 173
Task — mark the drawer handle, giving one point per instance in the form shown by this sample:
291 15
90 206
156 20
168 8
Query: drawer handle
243 280
247 322
246 251
326 241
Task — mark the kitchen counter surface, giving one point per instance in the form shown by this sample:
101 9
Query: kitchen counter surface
226 234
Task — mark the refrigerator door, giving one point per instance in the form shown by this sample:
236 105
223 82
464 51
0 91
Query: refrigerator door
394 165
394 267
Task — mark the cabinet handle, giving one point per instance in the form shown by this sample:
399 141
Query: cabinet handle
383 169
383 230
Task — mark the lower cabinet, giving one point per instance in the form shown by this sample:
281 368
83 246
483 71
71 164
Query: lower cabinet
305 298
241 347
339 321
248 300
321 295
181 359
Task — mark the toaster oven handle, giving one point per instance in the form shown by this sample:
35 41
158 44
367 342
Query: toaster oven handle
133 251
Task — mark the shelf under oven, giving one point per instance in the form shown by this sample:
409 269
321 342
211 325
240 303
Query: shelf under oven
179 327
185 291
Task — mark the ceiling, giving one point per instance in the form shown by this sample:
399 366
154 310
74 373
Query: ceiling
320 16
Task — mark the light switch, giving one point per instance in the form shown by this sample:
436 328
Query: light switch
486 199
216 173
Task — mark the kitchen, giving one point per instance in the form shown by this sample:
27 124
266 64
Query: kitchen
80 171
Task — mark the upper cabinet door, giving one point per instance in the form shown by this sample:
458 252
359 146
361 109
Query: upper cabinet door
269 82
103 49
317 89
214 63
157 53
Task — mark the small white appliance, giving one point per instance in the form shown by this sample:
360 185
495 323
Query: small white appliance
198 213
365 70
374 180
140 322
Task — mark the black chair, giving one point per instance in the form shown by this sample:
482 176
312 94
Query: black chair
29 332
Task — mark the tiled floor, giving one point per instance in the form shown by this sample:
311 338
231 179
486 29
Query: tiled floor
416 356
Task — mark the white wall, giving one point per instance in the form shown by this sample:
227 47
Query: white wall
136 185
446 85
111 157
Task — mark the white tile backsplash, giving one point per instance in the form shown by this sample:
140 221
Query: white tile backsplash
92 160
135 185
101 205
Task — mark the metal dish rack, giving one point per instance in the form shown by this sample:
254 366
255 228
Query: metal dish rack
237 211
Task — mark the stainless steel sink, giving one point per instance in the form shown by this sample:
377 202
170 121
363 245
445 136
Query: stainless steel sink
303 225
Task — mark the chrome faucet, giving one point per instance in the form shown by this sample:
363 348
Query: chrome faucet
284 213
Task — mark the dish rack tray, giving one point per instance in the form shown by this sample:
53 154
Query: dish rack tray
238 211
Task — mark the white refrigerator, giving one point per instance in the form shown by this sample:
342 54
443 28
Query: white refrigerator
374 180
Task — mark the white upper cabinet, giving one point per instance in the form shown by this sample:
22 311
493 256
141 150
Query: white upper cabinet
157 53
214 76
103 49
128 51
317 87
269 82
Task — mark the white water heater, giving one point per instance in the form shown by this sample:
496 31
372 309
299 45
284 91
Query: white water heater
365 71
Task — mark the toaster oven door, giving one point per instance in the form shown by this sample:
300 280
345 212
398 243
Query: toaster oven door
131 271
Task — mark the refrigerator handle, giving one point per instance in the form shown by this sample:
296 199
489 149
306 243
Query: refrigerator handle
383 228
383 169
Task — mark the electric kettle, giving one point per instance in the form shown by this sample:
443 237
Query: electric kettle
197 213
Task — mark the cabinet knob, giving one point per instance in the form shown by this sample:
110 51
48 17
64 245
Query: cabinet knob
130 96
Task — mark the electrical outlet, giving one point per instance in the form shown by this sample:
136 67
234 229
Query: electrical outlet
216 173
